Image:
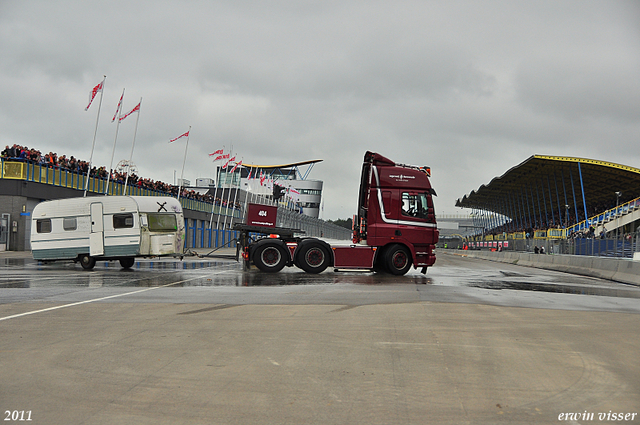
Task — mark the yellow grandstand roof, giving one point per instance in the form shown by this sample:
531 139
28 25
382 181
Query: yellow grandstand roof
556 181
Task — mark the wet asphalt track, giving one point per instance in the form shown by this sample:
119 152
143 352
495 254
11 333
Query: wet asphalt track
453 279
199 341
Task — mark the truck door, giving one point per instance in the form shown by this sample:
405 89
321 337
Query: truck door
96 237
418 217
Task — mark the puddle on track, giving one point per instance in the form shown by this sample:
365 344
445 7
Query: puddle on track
557 288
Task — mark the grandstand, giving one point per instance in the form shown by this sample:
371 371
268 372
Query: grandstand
557 202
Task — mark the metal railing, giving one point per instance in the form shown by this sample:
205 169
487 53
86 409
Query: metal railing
25 170
606 216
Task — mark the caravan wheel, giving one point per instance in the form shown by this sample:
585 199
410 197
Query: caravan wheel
128 262
87 262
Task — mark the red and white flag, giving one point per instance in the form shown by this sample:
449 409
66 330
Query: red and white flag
262 178
182 135
294 194
236 166
218 152
231 160
92 94
220 157
250 171
136 109
119 108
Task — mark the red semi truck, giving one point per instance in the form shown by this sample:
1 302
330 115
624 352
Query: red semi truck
394 229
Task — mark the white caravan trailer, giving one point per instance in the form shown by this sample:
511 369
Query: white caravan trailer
107 228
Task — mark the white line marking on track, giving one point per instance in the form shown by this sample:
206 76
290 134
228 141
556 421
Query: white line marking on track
103 298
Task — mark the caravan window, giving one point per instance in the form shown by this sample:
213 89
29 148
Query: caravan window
121 221
69 224
162 222
43 226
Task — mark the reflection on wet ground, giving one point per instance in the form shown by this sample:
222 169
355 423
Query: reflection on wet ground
297 277
540 281
558 288
139 264
28 273
146 273
193 272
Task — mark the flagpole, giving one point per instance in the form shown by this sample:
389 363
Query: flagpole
113 151
246 199
224 226
225 179
248 194
95 133
135 131
235 198
183 162
249 188
218 184
215 192
221 200
213 206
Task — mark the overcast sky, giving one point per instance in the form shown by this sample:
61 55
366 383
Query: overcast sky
469 88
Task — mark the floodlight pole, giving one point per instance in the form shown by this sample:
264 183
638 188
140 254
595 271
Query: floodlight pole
618 194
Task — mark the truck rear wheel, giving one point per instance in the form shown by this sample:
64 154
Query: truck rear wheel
313 258
269 257
397 260
87 262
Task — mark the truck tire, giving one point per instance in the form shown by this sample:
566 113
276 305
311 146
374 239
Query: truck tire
312 258
269 257
397 260
87 262
127 262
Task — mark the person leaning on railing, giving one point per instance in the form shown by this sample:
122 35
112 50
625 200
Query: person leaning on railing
10 152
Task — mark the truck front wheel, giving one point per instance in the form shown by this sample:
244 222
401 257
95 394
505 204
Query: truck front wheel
397 260
313 258
269 258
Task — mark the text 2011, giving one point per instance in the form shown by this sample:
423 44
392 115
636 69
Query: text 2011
17 415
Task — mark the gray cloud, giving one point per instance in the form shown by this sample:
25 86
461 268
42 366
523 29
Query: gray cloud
468 88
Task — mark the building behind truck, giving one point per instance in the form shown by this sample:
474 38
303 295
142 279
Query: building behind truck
107 228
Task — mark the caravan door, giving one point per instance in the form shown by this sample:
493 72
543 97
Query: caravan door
4 232
96 237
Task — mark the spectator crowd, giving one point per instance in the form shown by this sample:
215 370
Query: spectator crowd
74 165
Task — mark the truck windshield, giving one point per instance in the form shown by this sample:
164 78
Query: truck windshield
418 205
162 222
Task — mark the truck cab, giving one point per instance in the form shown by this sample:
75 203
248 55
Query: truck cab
395 227
396 212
